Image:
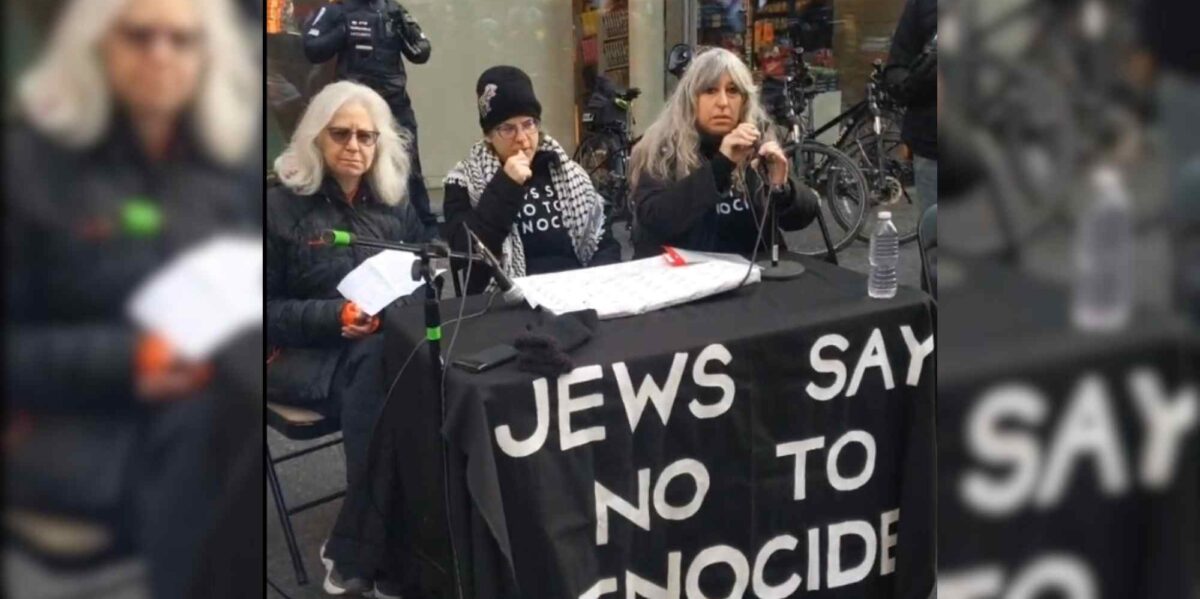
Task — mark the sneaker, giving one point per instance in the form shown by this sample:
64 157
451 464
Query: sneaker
335 584
387 590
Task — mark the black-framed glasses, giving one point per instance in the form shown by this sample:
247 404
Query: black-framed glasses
508 131
143 37
341 136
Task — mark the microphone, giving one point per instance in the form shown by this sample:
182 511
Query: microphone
340 238
512 293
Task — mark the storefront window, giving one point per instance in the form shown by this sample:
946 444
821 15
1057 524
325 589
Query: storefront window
565 44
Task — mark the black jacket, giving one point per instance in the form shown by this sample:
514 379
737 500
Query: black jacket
72 266
1168 29
363 35
492 220
918 25
303 304
684 213
72 263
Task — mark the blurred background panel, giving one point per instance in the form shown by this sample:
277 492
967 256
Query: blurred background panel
1067 268
132 141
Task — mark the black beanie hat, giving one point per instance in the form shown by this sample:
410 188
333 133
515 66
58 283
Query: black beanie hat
502 93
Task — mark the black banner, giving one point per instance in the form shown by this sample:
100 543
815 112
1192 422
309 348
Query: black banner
793 457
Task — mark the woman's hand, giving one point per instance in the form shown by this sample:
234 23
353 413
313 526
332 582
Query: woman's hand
518 168
777 163
739 143
160 375
356 324
358 331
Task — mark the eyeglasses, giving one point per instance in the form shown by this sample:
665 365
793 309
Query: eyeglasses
144 37
508 131
341 136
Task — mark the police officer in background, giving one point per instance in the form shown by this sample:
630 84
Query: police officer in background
911 76
369 37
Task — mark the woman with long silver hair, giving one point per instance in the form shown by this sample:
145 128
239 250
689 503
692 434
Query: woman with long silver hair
138 136
346 168
692 174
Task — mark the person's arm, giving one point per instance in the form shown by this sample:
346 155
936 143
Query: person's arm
296 322
415 45
52 362
797 205
906 42
325 34
669 210
491 219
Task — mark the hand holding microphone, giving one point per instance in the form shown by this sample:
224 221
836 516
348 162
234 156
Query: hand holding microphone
738 145
777 163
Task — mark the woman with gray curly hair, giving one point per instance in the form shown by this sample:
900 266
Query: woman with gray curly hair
346 168
692 181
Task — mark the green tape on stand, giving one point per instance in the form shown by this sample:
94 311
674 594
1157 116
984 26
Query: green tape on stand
341 238
140 217
433 333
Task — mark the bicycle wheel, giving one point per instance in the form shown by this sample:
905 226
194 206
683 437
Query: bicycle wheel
896 190
843 193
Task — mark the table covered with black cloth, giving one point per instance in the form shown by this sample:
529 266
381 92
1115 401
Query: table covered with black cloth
1067 460
732 397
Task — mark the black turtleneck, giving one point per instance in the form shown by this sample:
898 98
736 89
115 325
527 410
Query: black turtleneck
710 148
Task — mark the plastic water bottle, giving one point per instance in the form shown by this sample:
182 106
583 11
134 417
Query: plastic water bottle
1102 298
885 255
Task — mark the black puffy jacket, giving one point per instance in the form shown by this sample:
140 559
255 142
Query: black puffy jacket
303 304
369 43
73 262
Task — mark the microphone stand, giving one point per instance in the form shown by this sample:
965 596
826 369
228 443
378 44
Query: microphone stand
423 271
774 268
830 254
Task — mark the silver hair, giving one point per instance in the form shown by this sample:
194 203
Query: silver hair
301 166
66 94
670 148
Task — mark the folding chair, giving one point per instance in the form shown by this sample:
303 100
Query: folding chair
297 424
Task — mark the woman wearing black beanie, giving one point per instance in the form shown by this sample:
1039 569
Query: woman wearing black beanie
519 191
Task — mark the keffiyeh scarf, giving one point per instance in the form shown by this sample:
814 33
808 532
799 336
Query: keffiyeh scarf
583 208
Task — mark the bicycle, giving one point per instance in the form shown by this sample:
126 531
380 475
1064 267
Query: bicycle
872 137
837 179
604 151
1035 80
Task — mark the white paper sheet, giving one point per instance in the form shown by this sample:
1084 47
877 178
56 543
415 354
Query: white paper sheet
637 287
380 280
204 297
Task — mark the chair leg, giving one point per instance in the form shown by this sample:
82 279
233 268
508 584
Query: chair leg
286 521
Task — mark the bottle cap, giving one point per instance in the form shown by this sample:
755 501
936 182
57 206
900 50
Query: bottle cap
885 215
